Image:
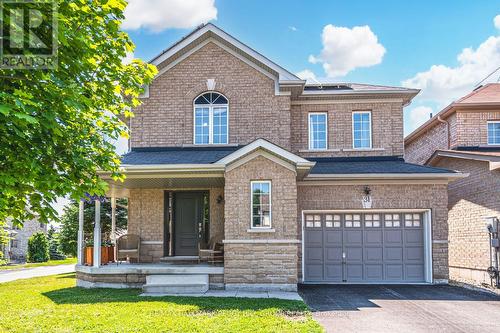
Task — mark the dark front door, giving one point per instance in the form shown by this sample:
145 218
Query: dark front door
188 215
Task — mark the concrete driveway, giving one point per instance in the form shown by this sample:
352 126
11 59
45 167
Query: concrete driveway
402 308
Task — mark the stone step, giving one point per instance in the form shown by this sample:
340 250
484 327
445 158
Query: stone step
176 284
180 260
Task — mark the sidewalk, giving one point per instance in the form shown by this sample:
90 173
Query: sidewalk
7 276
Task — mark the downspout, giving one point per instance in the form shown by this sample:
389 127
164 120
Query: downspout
448 136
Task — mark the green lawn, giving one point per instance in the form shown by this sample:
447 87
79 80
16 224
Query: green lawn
54 304
39 264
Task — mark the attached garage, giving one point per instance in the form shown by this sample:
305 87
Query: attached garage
366 246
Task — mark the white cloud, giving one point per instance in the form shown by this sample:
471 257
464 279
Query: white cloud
291 27
496 22
417 116
346 49
306 74
158 15
443 84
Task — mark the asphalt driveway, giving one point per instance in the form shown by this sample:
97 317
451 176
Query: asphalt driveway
402 308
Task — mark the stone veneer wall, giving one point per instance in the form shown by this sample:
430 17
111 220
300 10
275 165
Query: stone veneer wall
251 257
21 238
423 196
146 219
469 201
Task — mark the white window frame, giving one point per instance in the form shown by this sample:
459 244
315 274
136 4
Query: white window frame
270 203
210 119
488 132
371 130
310 132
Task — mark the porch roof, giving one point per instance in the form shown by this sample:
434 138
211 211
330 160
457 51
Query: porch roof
176 155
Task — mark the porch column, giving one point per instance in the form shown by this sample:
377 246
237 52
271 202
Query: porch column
113 220
97 234
79 252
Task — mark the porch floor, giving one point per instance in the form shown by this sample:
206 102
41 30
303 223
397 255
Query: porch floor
151 268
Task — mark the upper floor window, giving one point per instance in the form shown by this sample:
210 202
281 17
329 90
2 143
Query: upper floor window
318 130
261 204
494 132
210 119
362 129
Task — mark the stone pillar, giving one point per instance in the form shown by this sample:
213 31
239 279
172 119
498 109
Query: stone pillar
80 246
97 234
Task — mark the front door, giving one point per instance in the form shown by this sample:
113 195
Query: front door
188 216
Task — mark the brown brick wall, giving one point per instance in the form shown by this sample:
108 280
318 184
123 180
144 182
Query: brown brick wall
387 128
470 199
472 127
421 149
260 263
146 219
423 196
166 117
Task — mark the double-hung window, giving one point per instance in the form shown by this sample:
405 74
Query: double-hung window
494 132
362 130
210 119
261 204
318 131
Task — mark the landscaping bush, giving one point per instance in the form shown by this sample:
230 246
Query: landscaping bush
54 245
4 239
38 248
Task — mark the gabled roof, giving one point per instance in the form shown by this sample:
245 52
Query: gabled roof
486 96
208 30
492 156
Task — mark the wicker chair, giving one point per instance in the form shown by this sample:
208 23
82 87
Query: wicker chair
128 247
214 254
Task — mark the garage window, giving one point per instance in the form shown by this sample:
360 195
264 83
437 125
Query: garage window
261 204
372 220
352 220
332 221
412 220
313 221
392 220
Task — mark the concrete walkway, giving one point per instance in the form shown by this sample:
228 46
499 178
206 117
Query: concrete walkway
7 276
285 295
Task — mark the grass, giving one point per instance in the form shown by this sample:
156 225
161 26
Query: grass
54 304
66 261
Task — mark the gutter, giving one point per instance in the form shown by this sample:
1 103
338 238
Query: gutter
448 175
448 134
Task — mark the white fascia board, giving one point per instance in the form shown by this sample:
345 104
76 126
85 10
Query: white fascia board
466 156
266 145
358 92
386 176
150 168
494 166
283 73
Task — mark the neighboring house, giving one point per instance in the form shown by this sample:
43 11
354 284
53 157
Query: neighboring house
302 182
17 248
465 136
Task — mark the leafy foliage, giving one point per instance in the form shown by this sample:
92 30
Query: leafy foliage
38 248
69 223
56 124
4 239
54 248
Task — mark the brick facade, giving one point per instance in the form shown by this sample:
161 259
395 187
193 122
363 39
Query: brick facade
434 197
260 262
470 199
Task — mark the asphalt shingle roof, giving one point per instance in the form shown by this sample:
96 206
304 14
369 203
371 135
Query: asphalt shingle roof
367 165
176 155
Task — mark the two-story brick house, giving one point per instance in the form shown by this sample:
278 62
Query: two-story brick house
301 182
465 136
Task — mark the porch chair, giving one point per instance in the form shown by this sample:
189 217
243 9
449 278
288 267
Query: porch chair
128 246
214 253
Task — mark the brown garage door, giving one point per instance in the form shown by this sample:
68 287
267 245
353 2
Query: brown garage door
382 247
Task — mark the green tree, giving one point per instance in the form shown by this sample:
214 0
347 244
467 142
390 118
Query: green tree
4 239
54 245
56 124
69 224
38 248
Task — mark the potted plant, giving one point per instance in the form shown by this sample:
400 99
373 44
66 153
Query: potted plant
107 253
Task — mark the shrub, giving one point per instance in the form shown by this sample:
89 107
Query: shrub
38 248
54 245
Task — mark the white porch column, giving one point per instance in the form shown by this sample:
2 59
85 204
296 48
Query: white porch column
97 234
113 220
79 250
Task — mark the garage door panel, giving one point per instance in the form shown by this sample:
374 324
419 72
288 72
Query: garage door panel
393 237
373 237
314 237
362 247
374 272
394 272
373 254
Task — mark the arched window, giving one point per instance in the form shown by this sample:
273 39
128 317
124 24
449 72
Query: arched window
210 119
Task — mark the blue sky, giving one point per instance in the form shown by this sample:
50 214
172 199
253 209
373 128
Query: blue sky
415 35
